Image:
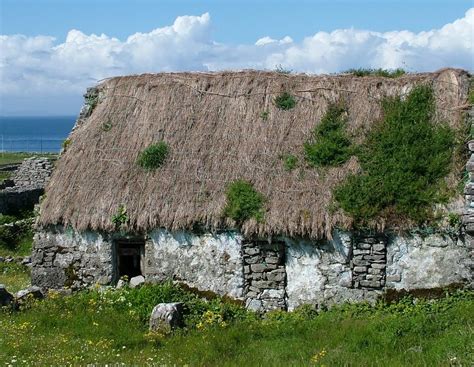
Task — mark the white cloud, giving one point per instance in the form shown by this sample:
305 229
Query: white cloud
39 66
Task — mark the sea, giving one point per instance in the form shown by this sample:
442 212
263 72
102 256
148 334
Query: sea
39 134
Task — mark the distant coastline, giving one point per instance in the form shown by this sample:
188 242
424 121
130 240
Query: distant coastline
41 134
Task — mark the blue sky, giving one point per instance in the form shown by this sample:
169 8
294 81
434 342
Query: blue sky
51 50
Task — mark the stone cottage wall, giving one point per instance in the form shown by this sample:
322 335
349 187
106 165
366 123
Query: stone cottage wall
282 273
63 257
208 262
422 262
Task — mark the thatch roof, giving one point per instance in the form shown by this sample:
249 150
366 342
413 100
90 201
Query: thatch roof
213 126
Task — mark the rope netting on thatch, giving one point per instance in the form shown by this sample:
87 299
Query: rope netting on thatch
213 125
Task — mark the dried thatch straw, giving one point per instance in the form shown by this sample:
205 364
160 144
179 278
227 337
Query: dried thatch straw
213 126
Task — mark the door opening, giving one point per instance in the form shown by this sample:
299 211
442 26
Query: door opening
130 258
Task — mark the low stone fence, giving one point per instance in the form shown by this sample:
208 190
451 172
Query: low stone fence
26 186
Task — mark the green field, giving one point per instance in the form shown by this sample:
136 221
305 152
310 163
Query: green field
104 327
14 157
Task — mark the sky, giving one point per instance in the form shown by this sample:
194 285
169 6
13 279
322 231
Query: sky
52 50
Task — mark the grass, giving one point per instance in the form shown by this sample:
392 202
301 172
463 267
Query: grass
18 157
393 73
108 327
4 175
14 276
15 240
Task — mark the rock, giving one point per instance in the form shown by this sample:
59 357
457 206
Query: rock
394 278
121 283
6 298
258 268
26 260
254 305
166 317
33 291
273 293
2 259
137 281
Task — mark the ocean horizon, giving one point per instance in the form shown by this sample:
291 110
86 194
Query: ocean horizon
34 134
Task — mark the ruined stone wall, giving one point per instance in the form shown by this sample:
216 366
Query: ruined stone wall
26 185
33 173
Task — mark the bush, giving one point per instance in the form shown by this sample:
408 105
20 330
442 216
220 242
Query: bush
285 101
395 73
66 143
244 202
121 217
290 161
329 145
404 161
154 156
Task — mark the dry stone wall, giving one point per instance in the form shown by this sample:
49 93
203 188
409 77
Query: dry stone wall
264 275
468 217
26 185
369 261
64 258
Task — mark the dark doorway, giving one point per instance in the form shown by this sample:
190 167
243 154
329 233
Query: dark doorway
130 258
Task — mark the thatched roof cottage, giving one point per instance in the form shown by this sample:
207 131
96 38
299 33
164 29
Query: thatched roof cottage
105 215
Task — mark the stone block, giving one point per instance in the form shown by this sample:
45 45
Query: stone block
30 292
394 278
273 293
258 268
137 281
167 316
378 266
255 305
360 262
357 252
359 269
272 260
263 284
378 247
374 257
251 251
370 284
276 277
252 259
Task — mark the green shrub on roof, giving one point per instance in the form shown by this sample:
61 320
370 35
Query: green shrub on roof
404 161
244 202
329 144
153 156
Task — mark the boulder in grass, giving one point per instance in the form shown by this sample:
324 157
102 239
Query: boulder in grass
30 292
137 281
167 316
6 298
